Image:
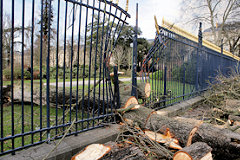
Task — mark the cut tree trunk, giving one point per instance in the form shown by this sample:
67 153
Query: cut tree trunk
224 142
6 89
143 90
125 89
126 101
196 151
234 118
5 93
123 152
92 152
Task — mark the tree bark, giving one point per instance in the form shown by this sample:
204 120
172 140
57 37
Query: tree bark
125 89
5 93
143 90
126 101
234 118
224 142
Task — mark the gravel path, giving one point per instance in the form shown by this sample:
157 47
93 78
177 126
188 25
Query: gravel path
74 83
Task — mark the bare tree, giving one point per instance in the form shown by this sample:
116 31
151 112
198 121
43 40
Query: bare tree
231 33
7 39
217 14
118 56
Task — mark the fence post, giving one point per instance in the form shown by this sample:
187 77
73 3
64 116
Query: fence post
1 74
165 84
134 58
184 73
116 88
198 53
222 46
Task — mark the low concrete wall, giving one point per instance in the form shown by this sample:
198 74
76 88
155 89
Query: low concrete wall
179 108
68 147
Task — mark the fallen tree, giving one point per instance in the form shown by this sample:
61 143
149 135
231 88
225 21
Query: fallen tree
143 90
225 143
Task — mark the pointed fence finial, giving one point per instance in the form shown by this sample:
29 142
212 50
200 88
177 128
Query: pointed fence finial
127 2
156 25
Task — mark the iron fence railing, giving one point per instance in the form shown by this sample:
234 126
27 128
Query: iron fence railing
178 68
55 68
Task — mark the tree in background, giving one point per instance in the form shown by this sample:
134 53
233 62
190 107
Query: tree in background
46 27
96 38
122 54
143 48
45 20
96 29
231 33
219 15
7 29
125 39
119 56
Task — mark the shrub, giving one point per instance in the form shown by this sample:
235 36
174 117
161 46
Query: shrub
17 73
36 68
60 73
190 72
127 73
27 74
74 73
86 71
7 73
157 74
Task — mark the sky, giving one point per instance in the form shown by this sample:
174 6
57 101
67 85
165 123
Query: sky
169 9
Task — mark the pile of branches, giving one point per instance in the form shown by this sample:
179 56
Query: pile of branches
150 148
224 101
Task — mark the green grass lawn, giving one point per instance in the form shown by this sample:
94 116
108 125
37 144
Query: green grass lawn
174 89
7 123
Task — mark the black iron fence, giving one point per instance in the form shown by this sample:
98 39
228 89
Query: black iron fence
54 68
177 67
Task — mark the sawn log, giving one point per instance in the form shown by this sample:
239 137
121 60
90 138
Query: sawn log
196 151
143 90
225 143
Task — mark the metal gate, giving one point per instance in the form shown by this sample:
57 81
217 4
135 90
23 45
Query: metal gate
54 68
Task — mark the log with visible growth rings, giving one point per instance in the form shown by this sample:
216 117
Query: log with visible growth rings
92 152
196 151
126 101
144 90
